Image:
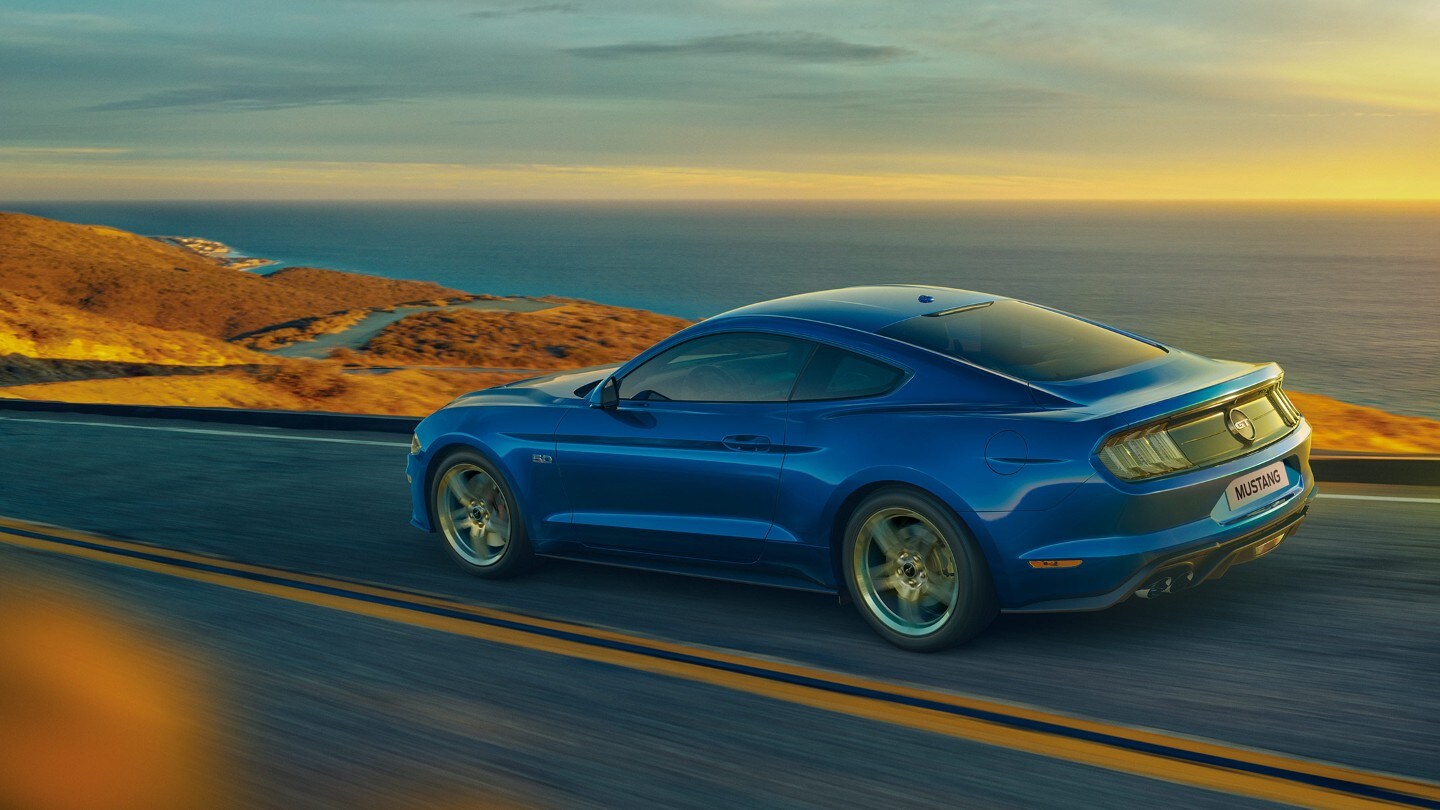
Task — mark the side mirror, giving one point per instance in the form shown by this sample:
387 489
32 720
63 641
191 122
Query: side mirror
609 394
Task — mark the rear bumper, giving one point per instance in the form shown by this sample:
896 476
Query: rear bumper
1126 534
1187 569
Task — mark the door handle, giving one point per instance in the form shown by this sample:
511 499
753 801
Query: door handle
747 443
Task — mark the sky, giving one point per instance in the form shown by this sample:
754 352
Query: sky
723 99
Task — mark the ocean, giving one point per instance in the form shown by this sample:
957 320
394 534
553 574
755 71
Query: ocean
1346 296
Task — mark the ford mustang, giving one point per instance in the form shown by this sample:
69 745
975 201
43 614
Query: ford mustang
934 455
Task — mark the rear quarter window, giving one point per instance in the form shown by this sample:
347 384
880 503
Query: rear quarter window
834 373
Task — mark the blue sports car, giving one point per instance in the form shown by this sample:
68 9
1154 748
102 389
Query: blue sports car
934 455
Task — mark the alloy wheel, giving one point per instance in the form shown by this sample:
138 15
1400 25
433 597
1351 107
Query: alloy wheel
905 571
474 515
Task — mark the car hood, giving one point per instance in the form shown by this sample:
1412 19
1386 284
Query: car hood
547 389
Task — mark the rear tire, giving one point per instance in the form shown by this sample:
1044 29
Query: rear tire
914 572
478 516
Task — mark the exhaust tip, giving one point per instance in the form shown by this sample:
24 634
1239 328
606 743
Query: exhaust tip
1155 588
1165 584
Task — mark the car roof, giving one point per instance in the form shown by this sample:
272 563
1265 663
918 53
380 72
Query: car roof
867 308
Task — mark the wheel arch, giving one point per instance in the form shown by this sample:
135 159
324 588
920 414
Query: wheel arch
849 497
442 449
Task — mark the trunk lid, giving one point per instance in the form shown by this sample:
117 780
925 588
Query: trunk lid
1174 382
1212 410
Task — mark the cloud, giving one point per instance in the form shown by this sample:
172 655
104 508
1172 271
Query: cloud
252 97
543 8
810 86
62 151
940 98
68 22
483 122
795 46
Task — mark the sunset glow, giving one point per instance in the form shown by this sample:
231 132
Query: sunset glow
470 99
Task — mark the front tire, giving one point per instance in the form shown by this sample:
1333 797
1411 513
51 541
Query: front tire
476 512
914 573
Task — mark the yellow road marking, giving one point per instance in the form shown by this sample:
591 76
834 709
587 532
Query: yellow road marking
1055 744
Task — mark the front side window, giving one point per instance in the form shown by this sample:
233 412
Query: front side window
1024 341
729 367
834 373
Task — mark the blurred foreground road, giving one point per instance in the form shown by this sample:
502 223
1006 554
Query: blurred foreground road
1327 650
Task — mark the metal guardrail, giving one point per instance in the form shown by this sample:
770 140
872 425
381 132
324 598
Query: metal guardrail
1342 468
1334 467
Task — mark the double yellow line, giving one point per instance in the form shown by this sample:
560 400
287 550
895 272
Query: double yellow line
1213 766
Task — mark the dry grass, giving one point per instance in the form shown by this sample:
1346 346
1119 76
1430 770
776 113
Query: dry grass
42 330
285 334
17 369
129 278
571 335
1343 426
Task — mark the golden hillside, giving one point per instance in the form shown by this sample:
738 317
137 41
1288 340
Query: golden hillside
572 335
297 331
129 278
48 331
1345 426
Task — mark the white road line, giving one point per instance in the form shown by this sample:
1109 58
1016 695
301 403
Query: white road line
245 434
1390 498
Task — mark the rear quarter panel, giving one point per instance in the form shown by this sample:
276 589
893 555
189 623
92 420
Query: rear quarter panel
977 443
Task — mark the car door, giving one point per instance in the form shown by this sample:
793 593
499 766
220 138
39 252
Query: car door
688 462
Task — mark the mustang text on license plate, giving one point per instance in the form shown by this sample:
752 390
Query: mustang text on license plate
1254 485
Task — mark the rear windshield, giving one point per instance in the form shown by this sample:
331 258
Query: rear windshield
1024 341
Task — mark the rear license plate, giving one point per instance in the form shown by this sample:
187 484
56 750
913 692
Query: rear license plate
1253 486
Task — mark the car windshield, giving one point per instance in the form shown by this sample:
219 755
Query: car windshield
1024 341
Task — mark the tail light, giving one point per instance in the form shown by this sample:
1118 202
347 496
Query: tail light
1143 453
1286 407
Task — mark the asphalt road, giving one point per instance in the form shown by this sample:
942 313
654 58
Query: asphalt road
1326 650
